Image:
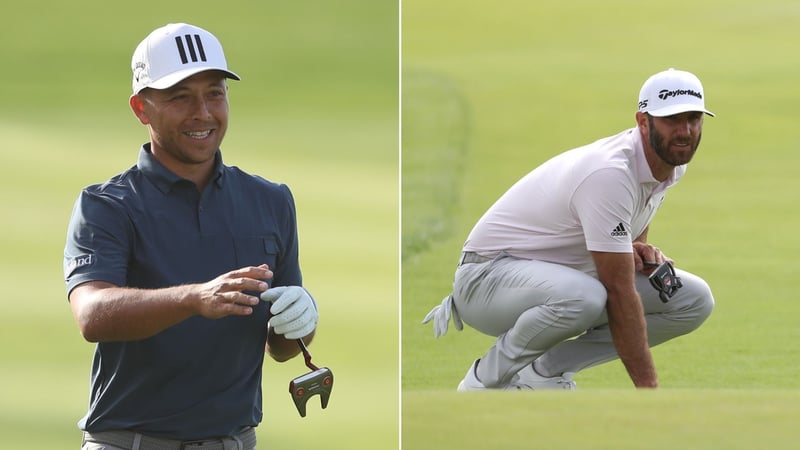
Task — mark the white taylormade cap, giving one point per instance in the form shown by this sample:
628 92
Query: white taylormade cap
672 92
175 52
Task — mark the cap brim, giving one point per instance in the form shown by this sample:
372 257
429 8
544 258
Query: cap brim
677 109
176 77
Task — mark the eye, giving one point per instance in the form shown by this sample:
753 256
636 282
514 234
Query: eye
694 118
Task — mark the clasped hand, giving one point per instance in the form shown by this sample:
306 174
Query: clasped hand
294 313
647 257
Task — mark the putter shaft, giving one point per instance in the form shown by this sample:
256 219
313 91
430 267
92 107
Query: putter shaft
306 355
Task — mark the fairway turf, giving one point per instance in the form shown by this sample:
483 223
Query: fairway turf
541 78
494 91
603 419
317 109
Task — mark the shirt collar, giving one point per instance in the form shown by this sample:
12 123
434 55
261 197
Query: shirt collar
163 178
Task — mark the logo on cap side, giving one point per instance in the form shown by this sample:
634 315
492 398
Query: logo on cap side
190 48
666 93
138 69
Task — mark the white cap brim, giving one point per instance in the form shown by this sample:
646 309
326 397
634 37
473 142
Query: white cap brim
671 110
176 77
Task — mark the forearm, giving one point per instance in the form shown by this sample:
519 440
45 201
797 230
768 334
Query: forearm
629 333
125 314
626 316
106 312
281 349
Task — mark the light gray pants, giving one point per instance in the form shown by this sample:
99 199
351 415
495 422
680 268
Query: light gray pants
534 308
129 440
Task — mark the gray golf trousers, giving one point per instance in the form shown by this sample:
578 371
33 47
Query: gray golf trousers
535 308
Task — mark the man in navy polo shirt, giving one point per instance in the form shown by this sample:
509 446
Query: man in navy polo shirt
165 263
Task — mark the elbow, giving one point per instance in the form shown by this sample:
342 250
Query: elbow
87 311
86 317
88 330
91 338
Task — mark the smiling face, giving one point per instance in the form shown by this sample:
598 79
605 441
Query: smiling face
670 141
187 123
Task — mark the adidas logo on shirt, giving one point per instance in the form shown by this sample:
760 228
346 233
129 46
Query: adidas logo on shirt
619 231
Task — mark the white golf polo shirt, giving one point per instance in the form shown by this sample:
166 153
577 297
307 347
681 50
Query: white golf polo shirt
599 197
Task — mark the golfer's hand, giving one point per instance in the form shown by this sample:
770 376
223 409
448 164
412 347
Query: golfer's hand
225 296
294 314
647 257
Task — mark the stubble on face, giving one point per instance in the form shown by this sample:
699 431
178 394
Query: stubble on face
663 148
188 121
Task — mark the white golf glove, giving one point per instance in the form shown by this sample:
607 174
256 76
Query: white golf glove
294 312
441 317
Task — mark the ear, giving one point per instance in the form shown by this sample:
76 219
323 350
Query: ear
137 105
642 122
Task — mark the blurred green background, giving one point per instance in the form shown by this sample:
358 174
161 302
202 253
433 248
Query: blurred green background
492 91
317 109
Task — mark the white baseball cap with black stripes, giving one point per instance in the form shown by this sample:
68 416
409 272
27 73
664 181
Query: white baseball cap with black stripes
672 92
174 52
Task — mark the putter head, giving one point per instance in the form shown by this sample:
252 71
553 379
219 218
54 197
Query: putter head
665 281
305 386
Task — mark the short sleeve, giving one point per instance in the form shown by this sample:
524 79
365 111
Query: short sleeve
97 245
287 272
604 204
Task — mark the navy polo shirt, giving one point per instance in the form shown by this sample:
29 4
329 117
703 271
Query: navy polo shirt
148 228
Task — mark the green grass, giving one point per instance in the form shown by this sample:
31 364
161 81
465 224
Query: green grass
535 79
604 419
488 93
317 108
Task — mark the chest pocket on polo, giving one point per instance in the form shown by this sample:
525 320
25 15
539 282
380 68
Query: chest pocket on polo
256 250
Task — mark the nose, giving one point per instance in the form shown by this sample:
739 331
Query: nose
200 110
683 127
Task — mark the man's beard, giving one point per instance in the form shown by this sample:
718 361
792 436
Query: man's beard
662 148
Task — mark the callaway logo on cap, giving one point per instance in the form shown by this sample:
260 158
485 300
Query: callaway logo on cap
175 52
672 92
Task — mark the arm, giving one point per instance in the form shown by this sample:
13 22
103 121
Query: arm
294 316
642 251
287 273
105 312
281 349
643 237
626 316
